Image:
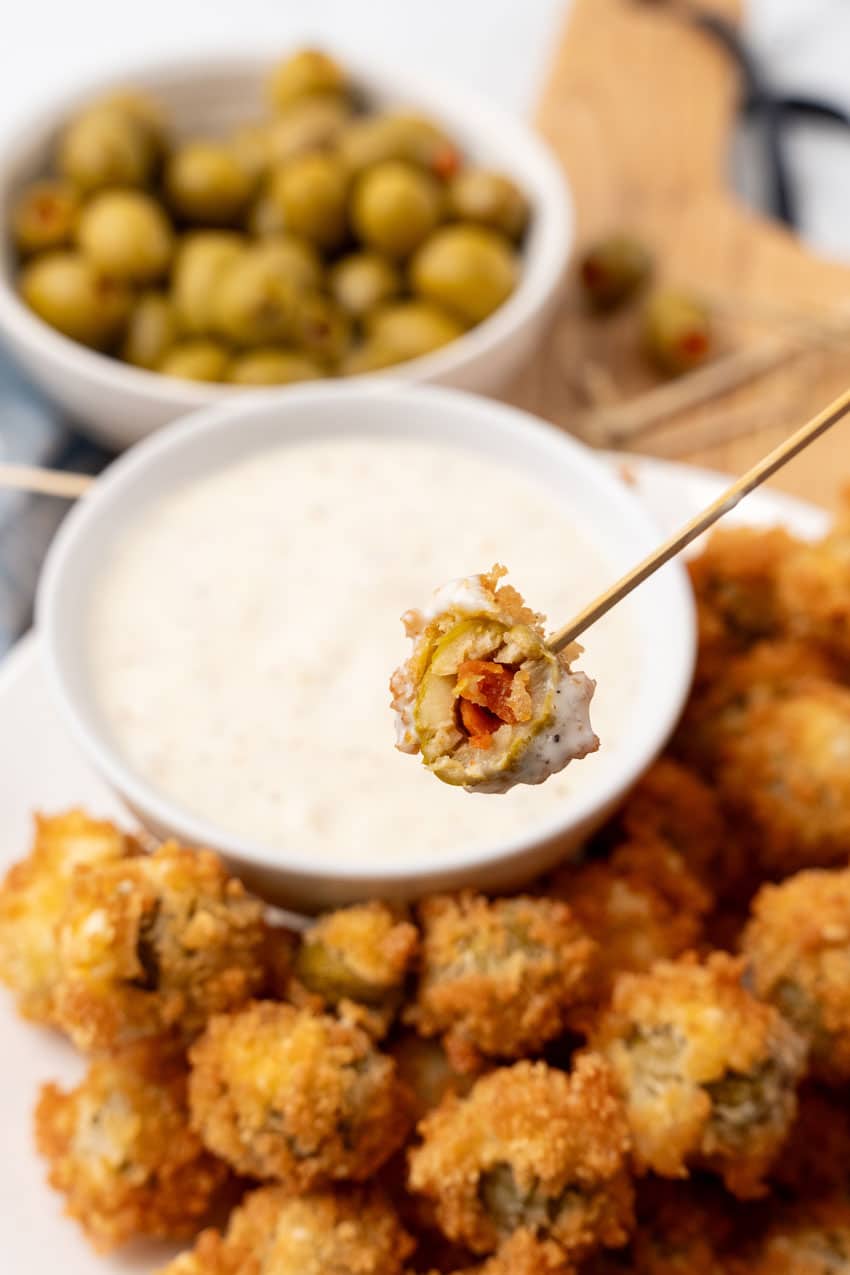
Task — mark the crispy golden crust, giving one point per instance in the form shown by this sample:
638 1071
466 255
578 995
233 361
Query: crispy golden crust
640 905
784 776
813 592
811 1239
357 959
156 944
524 1254
798 948
708 1073
272 1233
533 1148
498 976
34 896
297 1097
120 1149
735 579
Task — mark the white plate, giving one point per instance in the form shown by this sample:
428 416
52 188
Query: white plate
40 769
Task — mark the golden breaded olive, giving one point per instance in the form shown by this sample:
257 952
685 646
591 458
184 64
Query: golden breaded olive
151 330
125 233
253 301
613 270
489 199
310 124
677 331
409 329
395 207
468 269
201 258
206 182
76 298
362 281
376 139
320 327
304 73
272 366
311 192
198 360
44 216
297 260
105 146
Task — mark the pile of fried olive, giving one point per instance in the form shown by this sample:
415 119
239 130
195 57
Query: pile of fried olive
323 240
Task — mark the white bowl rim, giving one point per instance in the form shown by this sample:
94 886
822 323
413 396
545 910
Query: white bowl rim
123 473
543 264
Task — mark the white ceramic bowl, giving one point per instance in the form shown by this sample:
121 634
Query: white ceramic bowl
119 404
600 503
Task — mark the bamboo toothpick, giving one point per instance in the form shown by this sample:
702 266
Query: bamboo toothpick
733 494
44 482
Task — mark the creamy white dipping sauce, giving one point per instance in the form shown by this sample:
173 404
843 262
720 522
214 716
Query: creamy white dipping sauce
243 632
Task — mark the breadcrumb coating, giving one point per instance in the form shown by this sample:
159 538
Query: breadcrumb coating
274 1233
33 898
155 945
498 976
119 1148
524 1254
735 579
300 1098
813 592
530 1148
708 1073
798 949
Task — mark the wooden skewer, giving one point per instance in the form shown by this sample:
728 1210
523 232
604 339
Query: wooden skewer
44 482
733 494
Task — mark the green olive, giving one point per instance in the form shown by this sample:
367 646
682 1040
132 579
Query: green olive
362 281
202 257
269 365
104 146
396 206
249 145
376 139
320 327
206 182
489 199
145 111
311 192
613 270
44 216
369 356
306 72
677 331
296 259
125 233
151 330
77 299
198 360
409 329
468 269
310 124
253 300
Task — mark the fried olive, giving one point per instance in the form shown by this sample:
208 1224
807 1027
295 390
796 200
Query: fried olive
206 182
409 329
395 207
126 234
253 301
106 146
468 269
677 331
152 329
296 1097
614 270
201 259
424 1067
269 365
303 74
44 216
312 194
377 139
76 298
200 359
488 199
363 281
813 592
310 124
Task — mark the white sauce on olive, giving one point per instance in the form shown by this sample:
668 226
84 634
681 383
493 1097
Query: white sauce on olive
244 630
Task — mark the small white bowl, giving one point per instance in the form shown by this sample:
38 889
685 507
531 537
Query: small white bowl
602 505
119 404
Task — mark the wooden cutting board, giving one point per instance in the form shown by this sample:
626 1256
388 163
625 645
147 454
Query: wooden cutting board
642 108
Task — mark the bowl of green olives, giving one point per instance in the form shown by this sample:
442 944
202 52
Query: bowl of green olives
205 228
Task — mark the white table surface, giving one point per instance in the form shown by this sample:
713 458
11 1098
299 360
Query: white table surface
499 47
